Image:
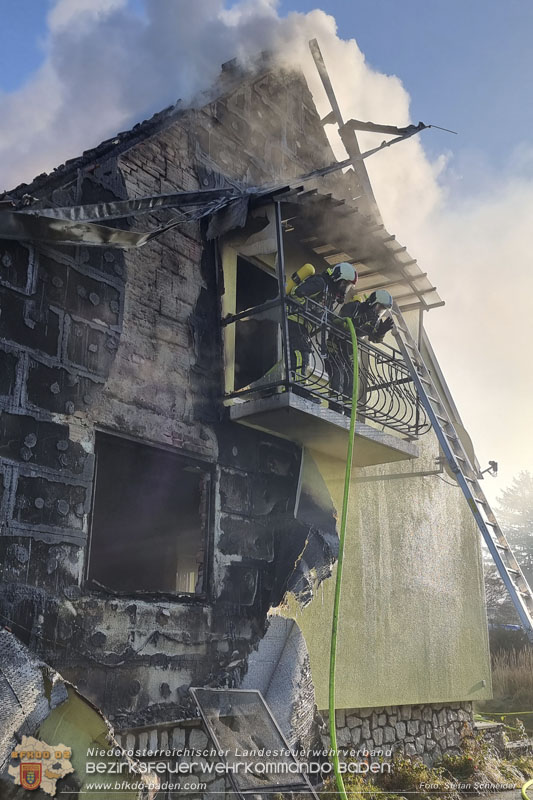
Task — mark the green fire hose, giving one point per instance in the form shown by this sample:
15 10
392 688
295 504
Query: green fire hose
336 604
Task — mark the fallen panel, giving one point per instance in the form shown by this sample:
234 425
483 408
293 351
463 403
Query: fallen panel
49 735
240 723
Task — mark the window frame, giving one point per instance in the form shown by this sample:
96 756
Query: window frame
209 469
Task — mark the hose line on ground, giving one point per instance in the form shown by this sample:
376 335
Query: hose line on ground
336 604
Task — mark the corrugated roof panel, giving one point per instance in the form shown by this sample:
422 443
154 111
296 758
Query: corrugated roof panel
381 260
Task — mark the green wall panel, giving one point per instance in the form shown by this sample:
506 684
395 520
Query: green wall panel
413 623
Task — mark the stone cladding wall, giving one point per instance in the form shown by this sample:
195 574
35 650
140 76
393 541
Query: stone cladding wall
427 731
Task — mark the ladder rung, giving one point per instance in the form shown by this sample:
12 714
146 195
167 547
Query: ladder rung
433 399
452 437
503 547
503 544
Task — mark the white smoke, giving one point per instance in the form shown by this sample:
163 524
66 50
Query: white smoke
68 14
106 67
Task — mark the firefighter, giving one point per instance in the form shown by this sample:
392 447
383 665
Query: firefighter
366 314
326 289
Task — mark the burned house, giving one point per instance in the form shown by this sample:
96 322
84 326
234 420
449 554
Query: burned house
170 494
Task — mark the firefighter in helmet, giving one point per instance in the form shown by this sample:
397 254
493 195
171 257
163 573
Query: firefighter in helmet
327 289
366 314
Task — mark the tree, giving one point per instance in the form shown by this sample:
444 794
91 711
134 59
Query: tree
500 608
514 512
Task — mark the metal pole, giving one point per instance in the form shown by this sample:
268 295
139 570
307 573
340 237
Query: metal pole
281 289
326 83
348 137
419 345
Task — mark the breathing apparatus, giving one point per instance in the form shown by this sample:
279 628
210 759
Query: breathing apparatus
299 276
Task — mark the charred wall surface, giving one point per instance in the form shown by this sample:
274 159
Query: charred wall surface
93 339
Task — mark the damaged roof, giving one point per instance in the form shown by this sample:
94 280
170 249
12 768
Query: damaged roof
334 229
231 77
338 231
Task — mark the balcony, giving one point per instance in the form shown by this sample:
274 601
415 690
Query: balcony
310 403
308 399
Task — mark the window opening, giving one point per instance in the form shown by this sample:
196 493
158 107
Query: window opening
257 338
149 519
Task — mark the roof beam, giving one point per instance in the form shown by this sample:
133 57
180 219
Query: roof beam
422 305
418 292
391 282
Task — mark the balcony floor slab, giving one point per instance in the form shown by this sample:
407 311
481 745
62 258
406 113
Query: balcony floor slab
296 418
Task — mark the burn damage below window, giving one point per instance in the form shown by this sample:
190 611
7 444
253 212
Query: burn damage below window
149 519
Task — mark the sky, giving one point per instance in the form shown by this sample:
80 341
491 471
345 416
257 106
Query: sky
74 72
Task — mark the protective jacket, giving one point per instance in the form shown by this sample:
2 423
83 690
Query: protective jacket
366 319
321 289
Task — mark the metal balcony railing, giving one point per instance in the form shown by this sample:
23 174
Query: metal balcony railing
316 363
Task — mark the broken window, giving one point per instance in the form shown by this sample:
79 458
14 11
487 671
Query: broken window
149 519
259 760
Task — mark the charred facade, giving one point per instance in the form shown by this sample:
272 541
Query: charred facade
146 533
144 537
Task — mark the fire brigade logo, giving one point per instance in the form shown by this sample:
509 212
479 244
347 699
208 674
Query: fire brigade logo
40 765
30 775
